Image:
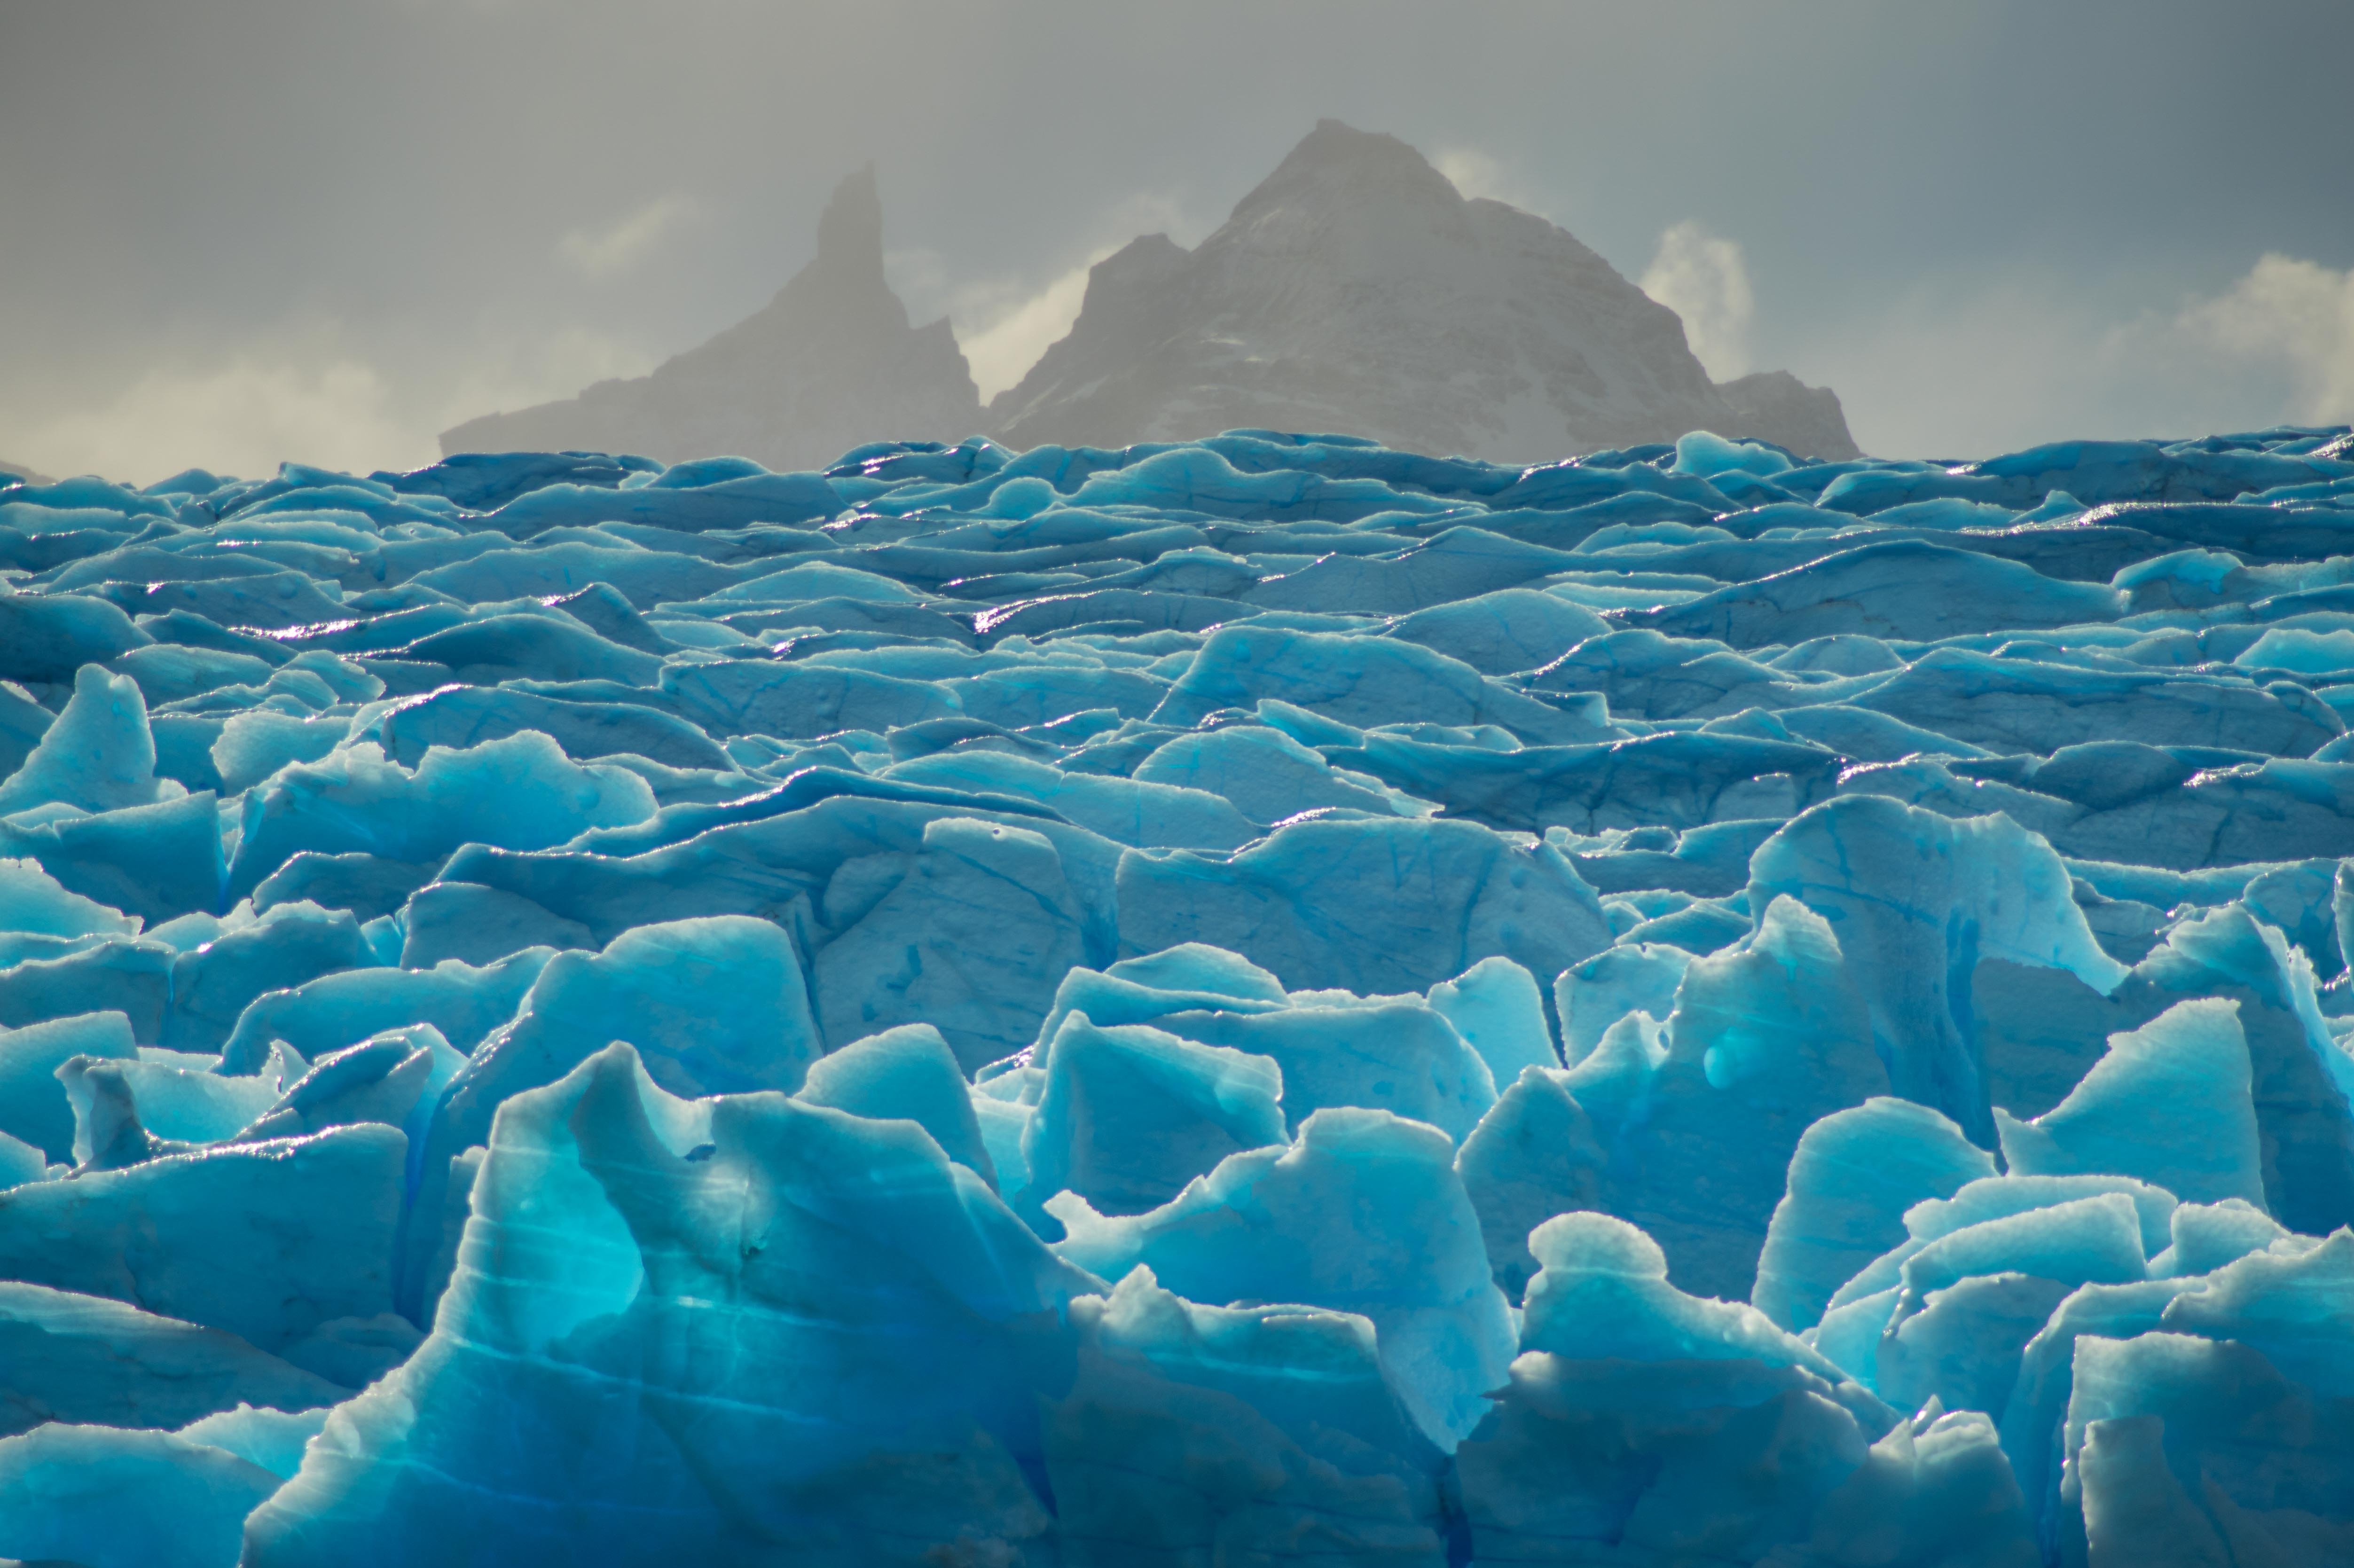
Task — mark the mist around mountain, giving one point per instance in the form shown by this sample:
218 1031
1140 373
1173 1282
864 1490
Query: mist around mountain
829 362
18 472
1354 291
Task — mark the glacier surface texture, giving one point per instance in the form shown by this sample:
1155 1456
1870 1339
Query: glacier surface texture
1264 1000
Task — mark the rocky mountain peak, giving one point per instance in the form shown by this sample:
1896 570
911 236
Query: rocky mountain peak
850 230
1338 164
1356 289
1353 290
829 364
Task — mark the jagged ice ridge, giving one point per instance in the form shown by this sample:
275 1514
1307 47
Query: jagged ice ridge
1269 1000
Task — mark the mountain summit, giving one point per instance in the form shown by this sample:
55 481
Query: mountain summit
830 362
1356 289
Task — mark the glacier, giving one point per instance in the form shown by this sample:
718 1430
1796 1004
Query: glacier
1262 999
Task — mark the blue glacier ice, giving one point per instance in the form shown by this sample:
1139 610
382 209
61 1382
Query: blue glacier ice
1262 999
868 1291
89 1360
1127 1116
125 1499
905 1074
1852 1179
99 755
1363 1212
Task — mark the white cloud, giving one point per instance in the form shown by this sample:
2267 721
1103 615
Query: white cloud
1970 370
1703 279
1475 174
1001 324
2295 317
1944 373
503 375
1004 324
1468 170
244 416
1001 353
310 394
619 246
920 278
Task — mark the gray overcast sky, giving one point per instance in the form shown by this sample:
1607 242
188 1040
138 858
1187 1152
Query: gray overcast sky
236 230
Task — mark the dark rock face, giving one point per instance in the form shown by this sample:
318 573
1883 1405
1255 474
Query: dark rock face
830 362
1775 406
1356 290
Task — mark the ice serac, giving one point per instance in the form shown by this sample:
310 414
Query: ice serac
2143 1428
1534 1156
48 636
1266 773
1765 1038
1334 1048
463 1002
129 1111
2302 1080
394 1079
1854 1175
1357 681
1497 1008
713 1326
1916 900
1373 906
1902 589
985 975
33 1108
1355 289
275 1243
1125 810
2257 1350
283 947
1363 1213
907 1073
829 362
1687 1130
97 756
1636 1416
2015 705
2169 1104
91 1360
1128 1115
1317 1048
457 718
1263 1434
102 1497
520 793
1625 978
1502 632
652 988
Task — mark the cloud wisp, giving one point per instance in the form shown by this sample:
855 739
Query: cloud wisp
1705 279
2293 317
239 416
1006 324
1966 368
616 249
313 393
